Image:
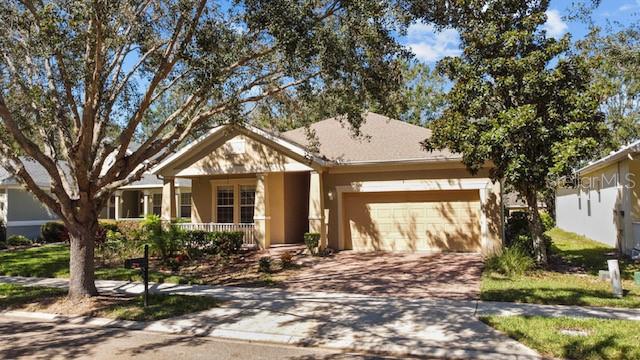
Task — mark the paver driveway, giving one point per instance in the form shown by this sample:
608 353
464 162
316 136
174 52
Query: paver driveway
444 275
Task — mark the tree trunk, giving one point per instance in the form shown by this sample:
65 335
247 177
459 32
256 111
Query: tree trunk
536 228
81 263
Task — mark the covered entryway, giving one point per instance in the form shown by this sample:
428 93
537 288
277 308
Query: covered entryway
437 220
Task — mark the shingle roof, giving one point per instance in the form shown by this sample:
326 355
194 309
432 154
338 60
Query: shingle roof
37 172
42 178
384 139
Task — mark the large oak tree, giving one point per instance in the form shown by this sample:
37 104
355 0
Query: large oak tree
80 80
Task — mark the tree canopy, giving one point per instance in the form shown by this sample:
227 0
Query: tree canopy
519 100
614 60
81 80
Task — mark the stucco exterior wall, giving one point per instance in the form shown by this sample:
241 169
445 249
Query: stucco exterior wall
296 198
238 155
201 200
333 180
275 192
594 209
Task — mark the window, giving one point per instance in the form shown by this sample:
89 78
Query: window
185 205
224 205
157 204
247 202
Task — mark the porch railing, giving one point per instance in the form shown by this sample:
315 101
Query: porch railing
248 229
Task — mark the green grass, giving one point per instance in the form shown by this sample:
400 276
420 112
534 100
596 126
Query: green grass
160 307
605 339
569 288
53 261
12 296
591 256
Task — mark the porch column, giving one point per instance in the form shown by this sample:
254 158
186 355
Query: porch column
317 219
261 216
169 199
145 203
118 205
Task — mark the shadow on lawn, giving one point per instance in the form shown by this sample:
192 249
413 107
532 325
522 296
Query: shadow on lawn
552 296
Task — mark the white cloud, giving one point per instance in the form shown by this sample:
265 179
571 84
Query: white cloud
554 26
430 45
630 6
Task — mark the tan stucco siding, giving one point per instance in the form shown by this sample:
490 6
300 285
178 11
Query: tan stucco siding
275 192
413 221
296 198
201 200
492 208
238 155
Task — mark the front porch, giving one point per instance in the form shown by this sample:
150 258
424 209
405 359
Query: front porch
271 208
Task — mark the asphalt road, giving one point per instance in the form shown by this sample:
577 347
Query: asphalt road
29 339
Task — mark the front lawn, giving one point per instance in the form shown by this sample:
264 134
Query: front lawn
570 338
571 279
53 261
110 306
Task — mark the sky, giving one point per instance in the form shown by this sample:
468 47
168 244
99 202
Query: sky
430 46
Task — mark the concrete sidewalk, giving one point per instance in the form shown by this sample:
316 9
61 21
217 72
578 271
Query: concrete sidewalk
433 328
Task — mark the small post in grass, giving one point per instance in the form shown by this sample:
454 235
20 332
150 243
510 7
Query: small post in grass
145 270
614 274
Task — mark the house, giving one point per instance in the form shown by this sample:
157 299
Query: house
603 202
380 191
514 203
23 214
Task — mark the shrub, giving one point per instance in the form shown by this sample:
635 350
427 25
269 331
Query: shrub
286 259
227 242
312 240
132 230
18 240
264 264
53 232
547 221
514 261
109 226
197 243
517 224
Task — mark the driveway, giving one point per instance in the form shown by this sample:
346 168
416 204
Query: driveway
417 276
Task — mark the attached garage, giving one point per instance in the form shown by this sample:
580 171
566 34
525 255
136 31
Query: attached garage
412 221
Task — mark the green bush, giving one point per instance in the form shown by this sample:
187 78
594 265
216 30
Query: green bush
18 240
548 222
514 261
164 243
197 243
227 242
53 232
109 226
312 240
517 224
264 264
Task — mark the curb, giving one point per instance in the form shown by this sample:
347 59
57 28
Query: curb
268 338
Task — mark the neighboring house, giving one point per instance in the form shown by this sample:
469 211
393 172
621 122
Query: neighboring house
24 214
603 203
378 192
144 197
514 203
